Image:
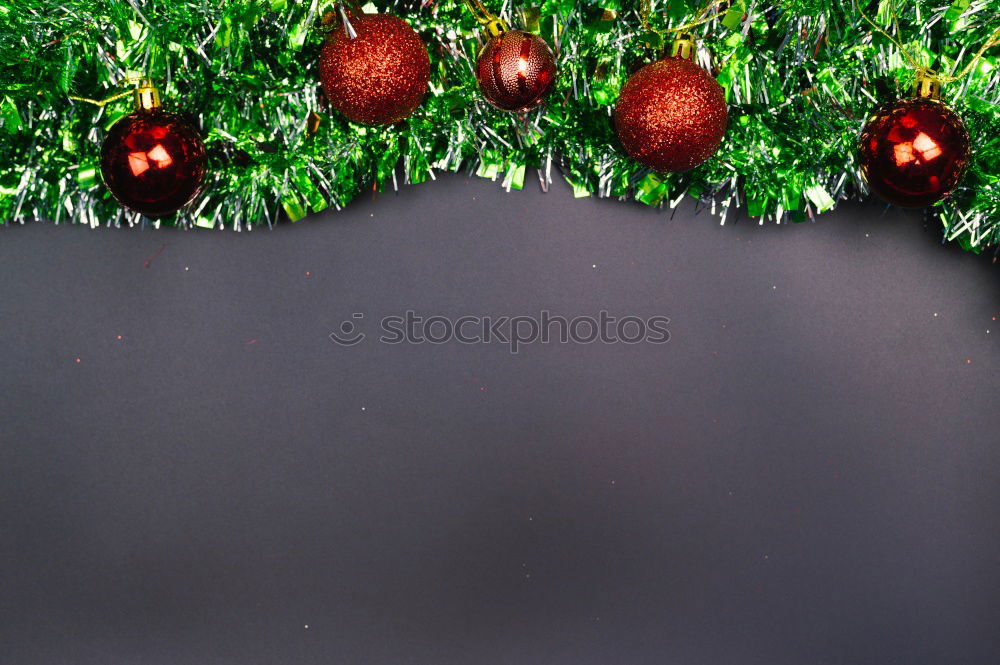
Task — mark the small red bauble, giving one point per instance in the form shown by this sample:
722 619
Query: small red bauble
914 152
378 77
671 115
516 70
153 161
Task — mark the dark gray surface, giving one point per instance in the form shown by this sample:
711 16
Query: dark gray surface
807 473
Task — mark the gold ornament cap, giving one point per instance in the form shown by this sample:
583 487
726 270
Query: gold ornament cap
684 46
493 25
926 85
147 96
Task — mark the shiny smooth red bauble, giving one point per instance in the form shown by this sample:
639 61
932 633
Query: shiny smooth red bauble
516 70
671 115
914 152
378 77
153 162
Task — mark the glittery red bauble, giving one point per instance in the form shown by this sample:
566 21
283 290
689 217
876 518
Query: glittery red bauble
153 162
914 152
378 77
516 70
671 115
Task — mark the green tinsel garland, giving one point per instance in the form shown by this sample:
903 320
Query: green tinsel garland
800 77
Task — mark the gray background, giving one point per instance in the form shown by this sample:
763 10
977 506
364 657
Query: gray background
807 473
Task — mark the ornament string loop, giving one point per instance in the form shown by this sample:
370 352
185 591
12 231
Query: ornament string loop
926 73
146 95
704 16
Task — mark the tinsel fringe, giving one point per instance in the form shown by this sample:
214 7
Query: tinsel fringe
800 76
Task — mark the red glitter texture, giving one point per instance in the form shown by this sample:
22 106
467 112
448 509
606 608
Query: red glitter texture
516 70
379 77
914 152
153 162
671 115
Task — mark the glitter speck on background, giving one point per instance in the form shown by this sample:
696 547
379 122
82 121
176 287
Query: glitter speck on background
671 115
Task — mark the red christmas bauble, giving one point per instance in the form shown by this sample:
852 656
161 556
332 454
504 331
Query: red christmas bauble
671 115
516 70
378 77
914 152
153 162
